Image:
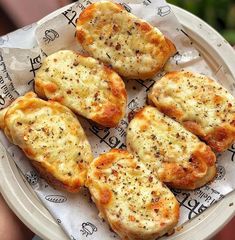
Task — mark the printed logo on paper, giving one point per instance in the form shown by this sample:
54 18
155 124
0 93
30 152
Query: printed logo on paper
72 237
82 5
177 57
88 229
220 172
58 220
35 65
4 39
232 150
56 198
133 104
147 2
26 28
108 137
70 15
2 101
50 36
32 177
127 7
199 201
164 11
147 84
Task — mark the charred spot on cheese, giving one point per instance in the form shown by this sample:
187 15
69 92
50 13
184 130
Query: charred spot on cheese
51 87
104 161
193 127
109 117
221 138
52 138
105 196
202 105
84 85
133 47
173 154
130 198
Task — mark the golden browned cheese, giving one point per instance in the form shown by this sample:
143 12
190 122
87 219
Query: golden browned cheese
133 47
84 85
200 104
51 137
173 154
130 198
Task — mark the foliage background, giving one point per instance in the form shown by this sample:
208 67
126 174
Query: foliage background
220 14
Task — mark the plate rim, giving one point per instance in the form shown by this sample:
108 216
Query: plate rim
33 219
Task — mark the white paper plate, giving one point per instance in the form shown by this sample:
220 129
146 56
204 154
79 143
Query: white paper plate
29 209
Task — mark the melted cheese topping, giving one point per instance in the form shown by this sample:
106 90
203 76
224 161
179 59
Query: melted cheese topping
134 48
175 155
51 136
135 203
84 85
198 102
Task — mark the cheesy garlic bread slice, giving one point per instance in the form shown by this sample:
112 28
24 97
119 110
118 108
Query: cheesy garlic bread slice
52 137
134 48
130 198
175 155
84 85
200 104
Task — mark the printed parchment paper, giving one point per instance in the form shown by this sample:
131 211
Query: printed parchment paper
21 54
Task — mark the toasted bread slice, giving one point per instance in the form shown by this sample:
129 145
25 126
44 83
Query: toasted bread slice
134 48
130 198
84 85
52 137
202 105
175 155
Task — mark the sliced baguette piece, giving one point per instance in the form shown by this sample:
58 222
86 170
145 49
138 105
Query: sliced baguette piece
176 156
52 138
84 85
130 198
134 48
200 104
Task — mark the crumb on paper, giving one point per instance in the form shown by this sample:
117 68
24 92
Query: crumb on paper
179 228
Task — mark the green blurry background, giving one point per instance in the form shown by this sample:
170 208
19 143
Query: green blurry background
220 14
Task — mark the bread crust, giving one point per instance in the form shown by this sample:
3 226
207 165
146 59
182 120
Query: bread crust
202 105
176 156
130 198
81 83
134 48
52 138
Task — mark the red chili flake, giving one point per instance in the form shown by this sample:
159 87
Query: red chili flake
156 210
115 27
119 165
118 47
150 178
131 218
96 95
75 64
115 173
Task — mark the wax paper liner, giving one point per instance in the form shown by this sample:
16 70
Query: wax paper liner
21 54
